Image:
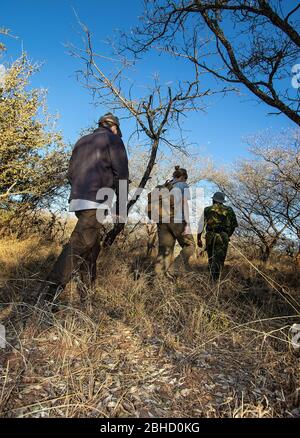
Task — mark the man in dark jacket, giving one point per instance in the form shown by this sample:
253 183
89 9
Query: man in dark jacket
99 160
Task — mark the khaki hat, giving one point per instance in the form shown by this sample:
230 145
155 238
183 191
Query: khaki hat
219 197
111 119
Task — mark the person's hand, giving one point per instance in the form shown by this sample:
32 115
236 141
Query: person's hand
118 219
187 230
199 241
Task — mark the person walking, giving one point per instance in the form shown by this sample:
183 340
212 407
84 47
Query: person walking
177 228
219 224
99 160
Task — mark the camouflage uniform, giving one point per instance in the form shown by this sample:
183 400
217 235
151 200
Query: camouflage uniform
220 223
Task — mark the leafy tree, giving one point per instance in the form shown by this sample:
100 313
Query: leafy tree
33 157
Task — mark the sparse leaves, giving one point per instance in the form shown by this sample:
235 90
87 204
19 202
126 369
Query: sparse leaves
250 43
265 190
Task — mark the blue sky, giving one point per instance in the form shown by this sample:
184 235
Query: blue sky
43 27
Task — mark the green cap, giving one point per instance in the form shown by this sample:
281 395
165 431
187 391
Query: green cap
219 197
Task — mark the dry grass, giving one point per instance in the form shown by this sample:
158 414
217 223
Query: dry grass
143 347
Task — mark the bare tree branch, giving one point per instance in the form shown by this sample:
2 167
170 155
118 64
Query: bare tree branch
258 50
155 114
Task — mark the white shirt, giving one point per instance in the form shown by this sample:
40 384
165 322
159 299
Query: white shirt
84 204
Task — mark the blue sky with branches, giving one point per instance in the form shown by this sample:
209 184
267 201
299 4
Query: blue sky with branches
43 28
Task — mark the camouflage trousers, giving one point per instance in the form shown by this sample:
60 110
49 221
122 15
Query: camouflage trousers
168 234
216 247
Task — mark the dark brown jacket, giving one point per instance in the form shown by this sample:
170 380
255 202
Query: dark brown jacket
98 160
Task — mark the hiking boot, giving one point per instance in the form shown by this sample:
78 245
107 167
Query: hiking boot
166 276
169 276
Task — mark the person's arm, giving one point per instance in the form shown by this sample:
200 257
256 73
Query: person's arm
186 196
200 229
119 160
185 207
119 165
186 210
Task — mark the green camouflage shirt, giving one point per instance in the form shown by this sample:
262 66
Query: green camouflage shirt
219 217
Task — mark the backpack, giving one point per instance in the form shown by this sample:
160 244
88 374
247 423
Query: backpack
218 219
160 203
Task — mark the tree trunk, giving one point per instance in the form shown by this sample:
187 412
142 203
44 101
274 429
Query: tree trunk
298 256
265 253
